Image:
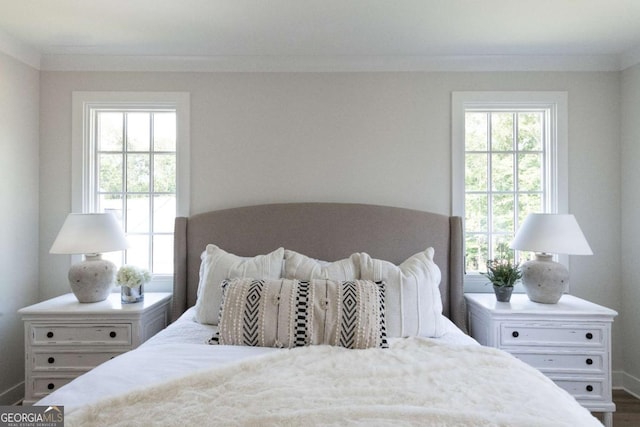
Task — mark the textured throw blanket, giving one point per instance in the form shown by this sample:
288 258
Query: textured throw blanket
415 382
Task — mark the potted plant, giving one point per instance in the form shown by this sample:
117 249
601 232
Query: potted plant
503 273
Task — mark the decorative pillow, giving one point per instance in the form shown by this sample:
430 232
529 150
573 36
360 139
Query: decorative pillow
294 313
218 265
413 303
301 267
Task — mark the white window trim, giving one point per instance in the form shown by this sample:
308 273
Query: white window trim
558 163
82 152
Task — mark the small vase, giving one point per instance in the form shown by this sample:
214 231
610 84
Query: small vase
131 295
503 293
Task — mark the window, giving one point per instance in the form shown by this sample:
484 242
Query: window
131 159
509 160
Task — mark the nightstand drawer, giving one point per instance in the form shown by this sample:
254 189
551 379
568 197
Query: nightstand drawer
583 389
118 334
74 361
553 334
64 338
564 362
45 385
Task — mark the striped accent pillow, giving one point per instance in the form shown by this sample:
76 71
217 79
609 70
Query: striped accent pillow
293 313
413 302
217 265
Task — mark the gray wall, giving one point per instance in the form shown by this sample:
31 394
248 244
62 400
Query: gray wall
630 200
381 138
19 162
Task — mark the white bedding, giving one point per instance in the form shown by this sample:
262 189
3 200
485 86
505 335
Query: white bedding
174 352
415 382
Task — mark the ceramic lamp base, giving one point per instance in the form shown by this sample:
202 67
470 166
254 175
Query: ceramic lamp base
544 280
92 279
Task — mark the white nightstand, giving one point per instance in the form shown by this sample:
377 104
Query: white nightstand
65 338
570 342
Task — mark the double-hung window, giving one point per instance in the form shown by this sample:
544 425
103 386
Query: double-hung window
131 158
509 160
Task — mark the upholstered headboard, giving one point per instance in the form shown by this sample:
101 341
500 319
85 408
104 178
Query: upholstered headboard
327 231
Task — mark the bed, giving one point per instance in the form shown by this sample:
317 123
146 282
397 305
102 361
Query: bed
408 359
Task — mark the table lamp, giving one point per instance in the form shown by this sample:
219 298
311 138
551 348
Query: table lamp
90 234
545 280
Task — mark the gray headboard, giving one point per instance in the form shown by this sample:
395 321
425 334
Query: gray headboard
327 231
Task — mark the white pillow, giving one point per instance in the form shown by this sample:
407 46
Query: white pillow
301 267
218 265
413 303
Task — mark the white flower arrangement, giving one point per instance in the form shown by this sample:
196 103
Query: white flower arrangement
132 277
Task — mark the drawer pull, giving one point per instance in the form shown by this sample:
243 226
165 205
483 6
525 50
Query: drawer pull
589 388
112 334
51 386
515 334
49 334
589 362
51 360
589 335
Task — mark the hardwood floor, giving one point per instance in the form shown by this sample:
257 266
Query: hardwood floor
627 410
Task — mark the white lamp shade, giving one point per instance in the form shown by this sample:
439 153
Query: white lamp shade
553 234
89 234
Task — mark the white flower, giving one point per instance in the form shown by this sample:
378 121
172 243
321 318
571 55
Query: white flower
132 277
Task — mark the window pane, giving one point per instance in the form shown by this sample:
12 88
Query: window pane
164 131
503 211
476 212
138 173
475 178
476 252
164 173
110 172
138 252
529 203
502 131
137 213
529 172
500 246
110 131
502 172
163 254
164 213
138 132
530 131
115 257
476 131
135 178
111 203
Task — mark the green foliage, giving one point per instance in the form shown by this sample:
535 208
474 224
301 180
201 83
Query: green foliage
503 271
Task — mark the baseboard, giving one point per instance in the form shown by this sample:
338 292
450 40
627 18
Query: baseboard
13 395
617 379
623 381
631 384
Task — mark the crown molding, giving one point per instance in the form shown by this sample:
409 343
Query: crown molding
20 51
485 63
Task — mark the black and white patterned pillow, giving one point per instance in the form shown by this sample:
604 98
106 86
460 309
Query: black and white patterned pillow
293 313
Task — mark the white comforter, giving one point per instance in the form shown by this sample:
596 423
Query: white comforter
176 351
415 382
